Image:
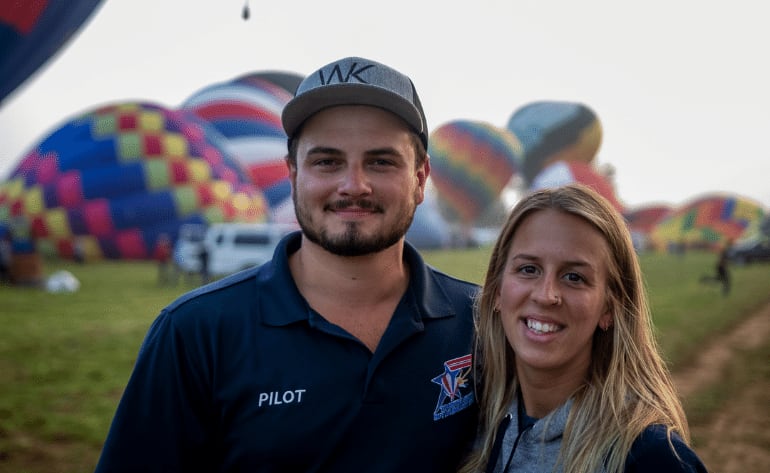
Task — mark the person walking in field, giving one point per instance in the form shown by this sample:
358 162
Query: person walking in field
723 268
721 273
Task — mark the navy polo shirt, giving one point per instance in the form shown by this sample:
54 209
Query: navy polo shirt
242 375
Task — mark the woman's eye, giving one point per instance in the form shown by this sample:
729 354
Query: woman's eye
573 277
528 269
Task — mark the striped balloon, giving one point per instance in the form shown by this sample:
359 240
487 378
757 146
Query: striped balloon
471 162
552 131
247 112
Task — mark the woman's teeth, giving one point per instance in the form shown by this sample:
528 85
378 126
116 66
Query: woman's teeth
541 327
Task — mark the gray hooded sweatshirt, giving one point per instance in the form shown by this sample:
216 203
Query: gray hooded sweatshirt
536 448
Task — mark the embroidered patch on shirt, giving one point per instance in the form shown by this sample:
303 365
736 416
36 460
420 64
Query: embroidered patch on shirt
456 393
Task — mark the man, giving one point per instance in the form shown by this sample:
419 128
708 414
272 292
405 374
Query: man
345 353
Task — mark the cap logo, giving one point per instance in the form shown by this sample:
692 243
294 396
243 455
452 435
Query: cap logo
337 72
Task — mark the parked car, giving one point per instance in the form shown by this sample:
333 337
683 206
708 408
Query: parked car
750 252
233 247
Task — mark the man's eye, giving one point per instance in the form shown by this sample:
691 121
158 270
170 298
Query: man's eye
382 162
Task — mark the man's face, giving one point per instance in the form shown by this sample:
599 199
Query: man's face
355 185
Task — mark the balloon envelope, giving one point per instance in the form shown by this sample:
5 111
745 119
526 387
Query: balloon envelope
643 219
247 112
429 230
33 31
471 163
110 182
567 172
709 221
289 81
551 131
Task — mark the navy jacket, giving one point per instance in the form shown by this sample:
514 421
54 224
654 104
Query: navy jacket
243 376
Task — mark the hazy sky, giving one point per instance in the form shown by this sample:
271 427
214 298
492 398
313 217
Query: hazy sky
680 86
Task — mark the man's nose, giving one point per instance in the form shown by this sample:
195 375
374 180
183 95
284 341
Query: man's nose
355 181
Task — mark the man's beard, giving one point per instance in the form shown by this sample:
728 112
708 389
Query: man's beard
352 242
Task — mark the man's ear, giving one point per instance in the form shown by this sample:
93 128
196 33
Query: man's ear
422 177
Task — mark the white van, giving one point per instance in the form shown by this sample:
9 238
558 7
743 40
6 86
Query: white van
232 247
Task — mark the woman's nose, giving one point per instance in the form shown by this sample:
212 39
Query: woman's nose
546 292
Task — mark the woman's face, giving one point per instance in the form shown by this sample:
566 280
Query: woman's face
553 294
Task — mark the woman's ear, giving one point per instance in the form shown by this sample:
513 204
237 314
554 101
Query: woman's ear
605 321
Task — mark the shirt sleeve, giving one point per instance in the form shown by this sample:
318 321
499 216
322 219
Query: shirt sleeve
161 424
651 451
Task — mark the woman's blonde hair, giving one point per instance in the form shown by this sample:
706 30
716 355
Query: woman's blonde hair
628 386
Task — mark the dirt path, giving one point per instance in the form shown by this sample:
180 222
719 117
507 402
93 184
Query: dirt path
711 362
737 437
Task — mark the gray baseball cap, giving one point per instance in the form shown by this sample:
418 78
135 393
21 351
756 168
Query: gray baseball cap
355 81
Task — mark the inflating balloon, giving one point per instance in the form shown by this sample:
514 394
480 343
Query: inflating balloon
247 112
551 131
568 172
643 219
709 221
110 182
33 31
471 163
288 81
429 230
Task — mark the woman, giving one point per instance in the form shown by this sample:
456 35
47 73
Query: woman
571 378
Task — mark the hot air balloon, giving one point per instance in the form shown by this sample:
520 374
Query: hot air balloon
560 173
642 219
429 230
551 131
247 112
289 81
33 31
471 163
709 221
115 179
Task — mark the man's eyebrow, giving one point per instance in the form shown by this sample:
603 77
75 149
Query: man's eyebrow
323 150
384 150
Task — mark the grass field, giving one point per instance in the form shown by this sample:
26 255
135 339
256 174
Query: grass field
65 358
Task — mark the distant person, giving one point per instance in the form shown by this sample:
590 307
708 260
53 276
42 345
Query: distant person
78 252
162 255
6 254
345 352
723 268
203 257
571 378
721 273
